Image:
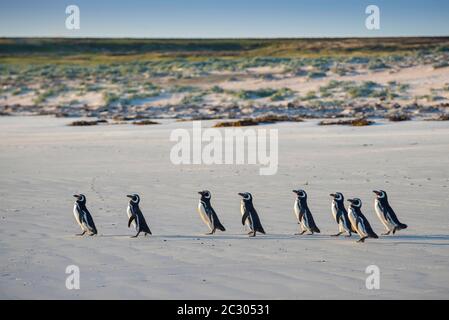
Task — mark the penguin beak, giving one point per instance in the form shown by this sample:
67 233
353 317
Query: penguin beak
351 200
241 194
200 192
294 191
376 192
332 195
129 196
76 195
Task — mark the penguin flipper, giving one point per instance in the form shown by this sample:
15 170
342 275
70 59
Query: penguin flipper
339 217
131 220
244 217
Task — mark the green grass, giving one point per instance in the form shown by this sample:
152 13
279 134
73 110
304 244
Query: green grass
108 51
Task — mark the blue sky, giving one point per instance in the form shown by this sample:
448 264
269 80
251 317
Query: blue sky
224 18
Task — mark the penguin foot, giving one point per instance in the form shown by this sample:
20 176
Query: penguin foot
252 234
361 240
386 233
348 235
300 233
336 235
310 234
81 234
209 233
394 230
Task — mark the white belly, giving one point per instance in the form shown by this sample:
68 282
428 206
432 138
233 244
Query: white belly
352 219
203 215
128 212
334 210
361 230
242 211
381 217
296 210
341 227
77 218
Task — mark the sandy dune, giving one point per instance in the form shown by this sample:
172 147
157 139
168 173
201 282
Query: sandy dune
43 162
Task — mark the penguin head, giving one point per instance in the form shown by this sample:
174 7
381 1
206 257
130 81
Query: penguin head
205 194
246 196
380 194
134 197
338 196
80 198
355 203
301 193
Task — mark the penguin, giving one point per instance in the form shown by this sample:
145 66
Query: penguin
207 213
386 214
136 216
359 221
303 214
83 216
341 215
249 214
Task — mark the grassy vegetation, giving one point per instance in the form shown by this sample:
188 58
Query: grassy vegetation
83 123
399 117
266 119
111 76
145 122
122 50
361 122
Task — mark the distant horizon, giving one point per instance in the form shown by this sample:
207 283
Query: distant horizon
220 38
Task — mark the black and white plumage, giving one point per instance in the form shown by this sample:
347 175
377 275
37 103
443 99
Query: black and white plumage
303 213
207 213
136 216
83 216
386 214
341 215
250 218
359 221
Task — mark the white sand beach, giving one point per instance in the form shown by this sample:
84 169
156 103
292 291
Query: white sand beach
43 162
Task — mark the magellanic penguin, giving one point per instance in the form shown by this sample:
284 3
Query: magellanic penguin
136 216
249 214
359 221
207 213
303 214
386 214
82 216
341 215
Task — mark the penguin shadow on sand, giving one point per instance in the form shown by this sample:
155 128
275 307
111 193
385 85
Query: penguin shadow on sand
413 239
240 236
